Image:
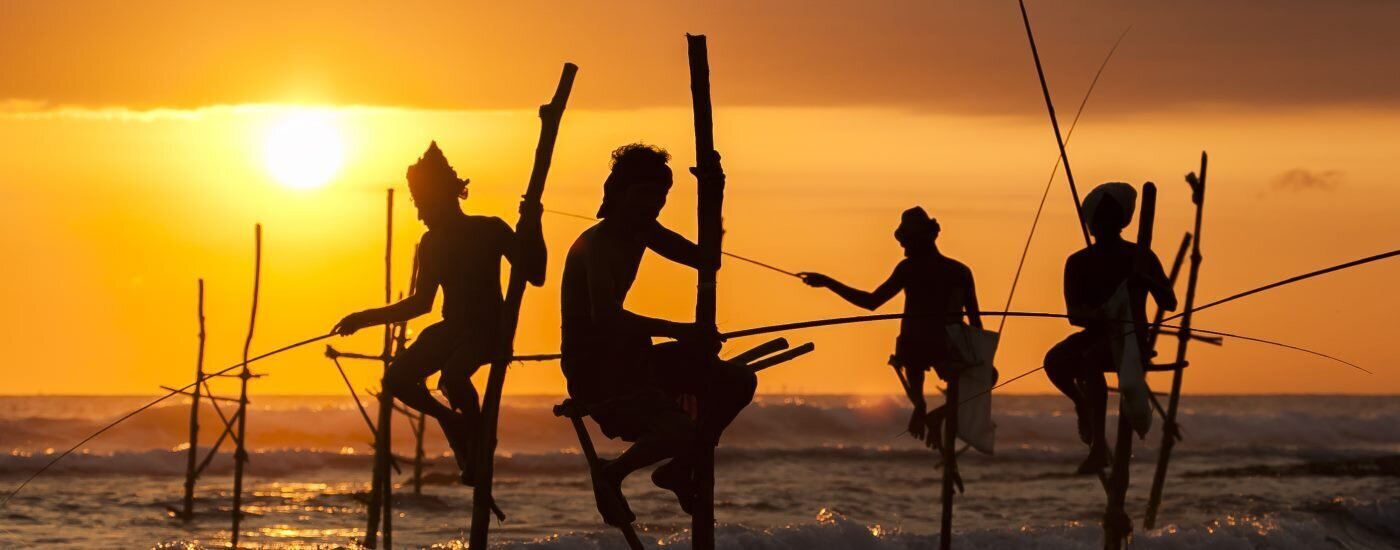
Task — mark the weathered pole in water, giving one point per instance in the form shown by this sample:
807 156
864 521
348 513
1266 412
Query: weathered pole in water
381 484
191 468
1169 429
240 453
529 225
710 209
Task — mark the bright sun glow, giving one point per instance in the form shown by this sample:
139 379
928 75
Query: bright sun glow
304 149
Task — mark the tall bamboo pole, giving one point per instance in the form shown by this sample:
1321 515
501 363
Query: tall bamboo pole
240 453
191 468
381 484
1169 429
950 462
1117 526
710 221
529 227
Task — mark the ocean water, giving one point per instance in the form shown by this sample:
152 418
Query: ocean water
794 472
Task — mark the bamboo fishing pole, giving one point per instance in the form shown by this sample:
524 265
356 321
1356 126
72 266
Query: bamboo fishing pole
147 406
1055 124
1035 222
240 453
551 115
758 263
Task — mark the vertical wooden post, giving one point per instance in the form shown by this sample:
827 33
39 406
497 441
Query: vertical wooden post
418 455
1117 525
240 453
950 462
710 221
1169 429
191 467
416 422
381 485
529 225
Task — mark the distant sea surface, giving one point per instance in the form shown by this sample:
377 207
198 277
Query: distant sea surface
793 472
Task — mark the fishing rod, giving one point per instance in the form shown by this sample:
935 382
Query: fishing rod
1049 182
1055 125
1291 280
1028 314
726 253
152 404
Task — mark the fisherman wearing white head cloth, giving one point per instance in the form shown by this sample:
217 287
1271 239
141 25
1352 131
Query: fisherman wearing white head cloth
1097 278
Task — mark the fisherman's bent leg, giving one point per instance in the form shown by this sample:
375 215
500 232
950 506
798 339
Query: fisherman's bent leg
670 434
407 375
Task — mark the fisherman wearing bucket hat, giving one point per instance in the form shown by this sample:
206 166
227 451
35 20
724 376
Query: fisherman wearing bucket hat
1093 275
938 290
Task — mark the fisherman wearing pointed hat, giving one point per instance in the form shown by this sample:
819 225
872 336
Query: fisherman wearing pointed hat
1093 276
938 291
462 254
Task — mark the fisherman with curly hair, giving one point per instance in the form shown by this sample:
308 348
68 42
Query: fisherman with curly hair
461 253
667 398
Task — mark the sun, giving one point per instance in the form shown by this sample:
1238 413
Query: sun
304 149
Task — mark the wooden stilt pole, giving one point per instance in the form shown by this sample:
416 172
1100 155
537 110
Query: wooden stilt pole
528 227
381 484
710 221
191 467
568 410
1169 429
950 463
1116 522
418 455
240 453
417 420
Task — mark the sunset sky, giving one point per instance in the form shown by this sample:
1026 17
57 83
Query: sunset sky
140 142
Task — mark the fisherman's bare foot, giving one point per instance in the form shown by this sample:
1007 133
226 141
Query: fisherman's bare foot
678 479
934 422
917 426
957 478
1086 425
607 492
459 437
1094 463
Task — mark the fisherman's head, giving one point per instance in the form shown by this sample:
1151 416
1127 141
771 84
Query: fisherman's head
1109 209
916 230
435 187
636 187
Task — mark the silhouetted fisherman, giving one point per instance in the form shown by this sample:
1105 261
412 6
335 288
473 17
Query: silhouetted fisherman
1095 278
664 398
462 254
938 291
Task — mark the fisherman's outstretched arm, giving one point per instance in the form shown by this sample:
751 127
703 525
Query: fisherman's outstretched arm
609 313
420 302
859 298
674 247
526 250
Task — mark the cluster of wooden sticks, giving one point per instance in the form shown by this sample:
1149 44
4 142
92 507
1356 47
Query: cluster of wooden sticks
234 426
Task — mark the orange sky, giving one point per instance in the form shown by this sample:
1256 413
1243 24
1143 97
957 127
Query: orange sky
133 165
